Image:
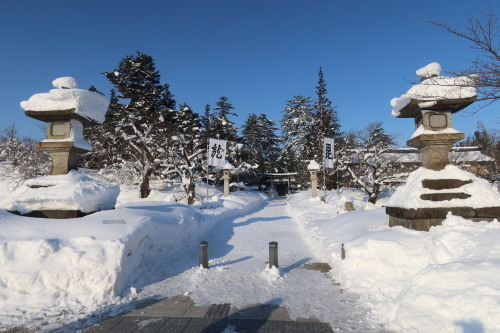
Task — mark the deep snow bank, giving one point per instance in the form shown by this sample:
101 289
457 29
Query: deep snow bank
49 267
444 280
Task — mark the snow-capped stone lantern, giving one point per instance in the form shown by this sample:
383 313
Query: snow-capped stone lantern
226 169
313 168
66 110
438 187
65 193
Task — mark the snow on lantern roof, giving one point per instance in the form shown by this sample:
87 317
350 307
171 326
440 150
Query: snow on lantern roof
435 93
313 165
65 102
431 70
228 166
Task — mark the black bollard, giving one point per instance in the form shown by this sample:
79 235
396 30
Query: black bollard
273 254
342 251
203 254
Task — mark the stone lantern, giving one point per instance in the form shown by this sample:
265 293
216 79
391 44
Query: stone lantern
66 110
313 168
438 188
65 193
226 169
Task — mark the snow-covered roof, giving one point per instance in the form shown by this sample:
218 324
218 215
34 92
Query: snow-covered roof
65 97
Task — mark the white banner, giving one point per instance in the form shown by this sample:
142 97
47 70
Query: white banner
328 151
216 152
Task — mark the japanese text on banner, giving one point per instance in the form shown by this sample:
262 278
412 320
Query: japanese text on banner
328 153
216 152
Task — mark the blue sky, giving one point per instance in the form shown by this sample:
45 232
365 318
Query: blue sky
257 53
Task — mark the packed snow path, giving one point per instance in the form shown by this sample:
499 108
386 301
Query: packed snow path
238 274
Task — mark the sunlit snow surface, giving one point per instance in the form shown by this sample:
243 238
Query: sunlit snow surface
444 280
71 273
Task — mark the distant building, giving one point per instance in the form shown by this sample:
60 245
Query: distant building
406 160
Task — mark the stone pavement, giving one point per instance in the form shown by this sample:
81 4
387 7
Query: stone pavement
180 315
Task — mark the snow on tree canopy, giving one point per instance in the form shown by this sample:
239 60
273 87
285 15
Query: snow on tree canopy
435 88
87 104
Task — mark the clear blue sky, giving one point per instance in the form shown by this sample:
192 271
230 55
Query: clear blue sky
257 53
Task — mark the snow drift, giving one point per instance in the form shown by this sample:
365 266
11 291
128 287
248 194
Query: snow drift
444 280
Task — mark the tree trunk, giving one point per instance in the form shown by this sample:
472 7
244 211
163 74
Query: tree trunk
373 198
190 192
145 189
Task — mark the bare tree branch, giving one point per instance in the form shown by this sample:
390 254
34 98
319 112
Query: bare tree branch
482 33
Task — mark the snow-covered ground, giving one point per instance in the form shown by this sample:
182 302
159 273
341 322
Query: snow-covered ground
444 280
71 273
56 271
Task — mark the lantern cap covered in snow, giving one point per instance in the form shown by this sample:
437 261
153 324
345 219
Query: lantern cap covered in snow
67 102
435 93
313 165
228 166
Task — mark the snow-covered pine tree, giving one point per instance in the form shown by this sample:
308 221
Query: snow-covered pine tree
187 151
297 128
140 124
206 124
224 128
326 123
262 144
270 143
251 139
94 89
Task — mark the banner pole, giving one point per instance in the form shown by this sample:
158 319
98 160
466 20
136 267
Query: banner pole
208 153
324 180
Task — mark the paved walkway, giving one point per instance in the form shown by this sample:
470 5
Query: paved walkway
238 294
180 315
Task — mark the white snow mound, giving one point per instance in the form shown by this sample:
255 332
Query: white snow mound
72 191
432 69
66 82
408 195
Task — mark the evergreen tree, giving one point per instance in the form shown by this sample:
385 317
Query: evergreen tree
297 128
270 144
94 89
206 124
138 122
224 128
326 119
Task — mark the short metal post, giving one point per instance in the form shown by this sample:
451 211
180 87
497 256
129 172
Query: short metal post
203 254
342 251
273 254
